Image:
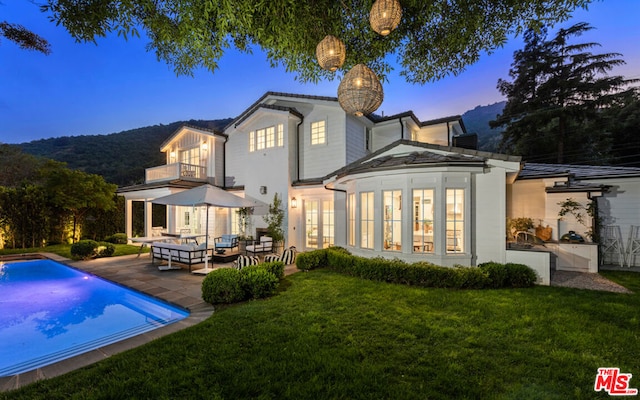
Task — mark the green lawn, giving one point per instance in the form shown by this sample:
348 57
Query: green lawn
327 336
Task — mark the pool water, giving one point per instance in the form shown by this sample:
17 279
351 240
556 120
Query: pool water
50 312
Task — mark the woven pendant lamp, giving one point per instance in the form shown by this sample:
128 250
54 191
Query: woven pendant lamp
330 53
360 91
385 16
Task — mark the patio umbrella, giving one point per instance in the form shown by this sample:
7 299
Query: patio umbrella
207 195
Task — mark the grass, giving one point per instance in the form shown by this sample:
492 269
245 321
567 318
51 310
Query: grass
64 250
328 336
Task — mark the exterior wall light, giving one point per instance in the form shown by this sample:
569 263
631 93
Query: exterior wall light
294 202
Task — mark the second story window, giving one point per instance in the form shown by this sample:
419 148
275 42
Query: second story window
190 156
266 138
318 132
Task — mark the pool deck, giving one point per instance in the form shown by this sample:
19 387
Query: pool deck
178 287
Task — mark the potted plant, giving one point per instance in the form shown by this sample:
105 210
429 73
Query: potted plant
275 219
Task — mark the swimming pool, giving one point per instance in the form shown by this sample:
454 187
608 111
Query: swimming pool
50 312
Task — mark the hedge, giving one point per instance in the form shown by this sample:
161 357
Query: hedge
424 274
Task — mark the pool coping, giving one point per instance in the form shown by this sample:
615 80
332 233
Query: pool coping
131 272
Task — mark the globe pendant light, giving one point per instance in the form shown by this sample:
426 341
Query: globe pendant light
385 16
360 91
330 53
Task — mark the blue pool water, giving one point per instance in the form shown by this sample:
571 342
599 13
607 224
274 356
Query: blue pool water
49 312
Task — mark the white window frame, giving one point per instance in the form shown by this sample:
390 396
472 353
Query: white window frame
316 137
367 220
266 138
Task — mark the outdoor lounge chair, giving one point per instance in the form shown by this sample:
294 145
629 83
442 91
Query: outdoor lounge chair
226 242
265 245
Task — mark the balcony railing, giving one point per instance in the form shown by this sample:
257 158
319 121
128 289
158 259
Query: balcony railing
174 171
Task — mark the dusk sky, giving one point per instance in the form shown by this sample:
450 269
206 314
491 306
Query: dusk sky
84 89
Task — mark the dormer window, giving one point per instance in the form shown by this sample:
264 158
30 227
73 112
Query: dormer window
266 138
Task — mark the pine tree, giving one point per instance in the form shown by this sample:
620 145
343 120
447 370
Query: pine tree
555 104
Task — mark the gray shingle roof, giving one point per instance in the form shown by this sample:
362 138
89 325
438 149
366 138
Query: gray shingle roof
413 159
578 172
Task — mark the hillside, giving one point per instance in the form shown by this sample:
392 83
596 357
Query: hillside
120 158
477 121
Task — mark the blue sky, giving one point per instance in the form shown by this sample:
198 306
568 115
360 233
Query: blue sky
84 89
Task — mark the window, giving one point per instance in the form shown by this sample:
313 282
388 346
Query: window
261 139
351 209
366 220
187 218
311 213
455 220
327 224
190 156
266 138
392 219
280 138
422 220
318 132
235 221
367 139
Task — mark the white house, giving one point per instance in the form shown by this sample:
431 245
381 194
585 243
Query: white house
378 186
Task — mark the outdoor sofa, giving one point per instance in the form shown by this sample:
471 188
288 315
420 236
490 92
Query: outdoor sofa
179 253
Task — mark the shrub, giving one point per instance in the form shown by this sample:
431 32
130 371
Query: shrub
223 285
520 276
471 278
117 238
257 282
509 275
312 260
84 249
496 274
275 267
105 249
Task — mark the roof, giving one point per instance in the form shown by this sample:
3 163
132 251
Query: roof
178 184
257 103
372 117
457 157
248 113
578 172
193 127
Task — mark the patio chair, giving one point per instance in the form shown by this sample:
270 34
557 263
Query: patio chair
633 245
287 257
611 245
265 245
225 242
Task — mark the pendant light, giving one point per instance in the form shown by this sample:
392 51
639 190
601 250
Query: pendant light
360 91
330 53
385 16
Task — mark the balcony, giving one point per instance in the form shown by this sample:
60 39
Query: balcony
169 172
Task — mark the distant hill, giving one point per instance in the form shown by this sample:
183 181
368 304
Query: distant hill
120 158
477 121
